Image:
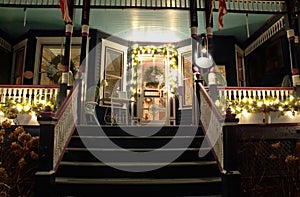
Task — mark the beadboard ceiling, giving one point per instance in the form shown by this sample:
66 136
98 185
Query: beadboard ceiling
130 24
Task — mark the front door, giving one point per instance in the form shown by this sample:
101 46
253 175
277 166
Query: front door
153 107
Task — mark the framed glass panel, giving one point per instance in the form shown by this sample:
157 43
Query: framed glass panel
52 60
187 78
113 72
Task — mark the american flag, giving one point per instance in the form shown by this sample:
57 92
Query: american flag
222 12
64 6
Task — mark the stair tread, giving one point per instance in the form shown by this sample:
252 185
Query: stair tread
139 181
135 137
78 163
132 149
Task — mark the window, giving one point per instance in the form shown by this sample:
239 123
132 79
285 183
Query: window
49 59
52 60
113 71
187 78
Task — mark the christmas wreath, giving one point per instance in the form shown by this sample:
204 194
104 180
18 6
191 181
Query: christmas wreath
53 70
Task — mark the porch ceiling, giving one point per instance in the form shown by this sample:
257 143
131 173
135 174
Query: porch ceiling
152 25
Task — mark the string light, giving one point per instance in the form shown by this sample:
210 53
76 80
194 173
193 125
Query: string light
11 108
155 50
290 104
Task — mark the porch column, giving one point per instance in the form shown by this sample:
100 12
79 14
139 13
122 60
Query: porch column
208 38
194 27
84 33
290 29
297 44
64 85
85 19
209 25
195 70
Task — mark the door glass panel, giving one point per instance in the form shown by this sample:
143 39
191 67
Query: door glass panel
152 82
187 78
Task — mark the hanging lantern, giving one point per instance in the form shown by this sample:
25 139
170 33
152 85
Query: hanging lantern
205 60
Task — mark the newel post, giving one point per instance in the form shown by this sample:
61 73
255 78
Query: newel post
231 177
45 176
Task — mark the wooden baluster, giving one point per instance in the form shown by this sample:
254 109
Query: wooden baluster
35 92
277 94
30 95
24 93
14 94
8 96
258 94
273 93
268 93
249 93
244 93
234 94
2 95
240 95
282 94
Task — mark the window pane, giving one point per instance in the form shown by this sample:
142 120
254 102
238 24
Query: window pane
113 72
187 78
52 62
113 62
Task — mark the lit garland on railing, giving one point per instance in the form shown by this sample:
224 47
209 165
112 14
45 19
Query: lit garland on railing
266 105
164 50
10 109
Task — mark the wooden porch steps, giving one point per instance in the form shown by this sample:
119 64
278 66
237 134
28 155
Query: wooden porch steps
81 174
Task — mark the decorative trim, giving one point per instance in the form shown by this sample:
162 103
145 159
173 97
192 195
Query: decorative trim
85 30
276 27
69 29
290 33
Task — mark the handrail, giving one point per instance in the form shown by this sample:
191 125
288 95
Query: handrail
64 126
212 123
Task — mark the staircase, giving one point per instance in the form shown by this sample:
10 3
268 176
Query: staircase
81 174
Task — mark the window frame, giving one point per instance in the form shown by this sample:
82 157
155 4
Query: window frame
38 55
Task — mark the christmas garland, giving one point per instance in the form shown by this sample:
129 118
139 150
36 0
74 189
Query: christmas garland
167 51
265 105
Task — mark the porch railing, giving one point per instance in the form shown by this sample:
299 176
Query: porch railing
212 123
224 136
218 134
28 93
232 93
263 6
